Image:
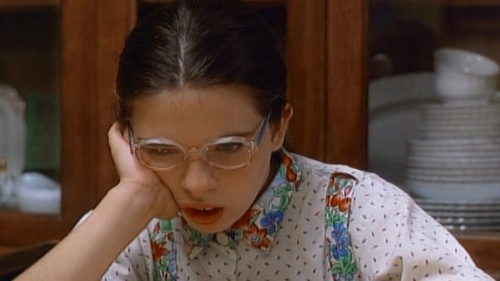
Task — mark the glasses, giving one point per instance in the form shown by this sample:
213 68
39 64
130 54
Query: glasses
227 153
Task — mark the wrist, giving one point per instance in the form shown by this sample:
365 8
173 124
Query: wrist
129 202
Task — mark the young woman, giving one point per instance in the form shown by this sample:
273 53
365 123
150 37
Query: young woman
208 192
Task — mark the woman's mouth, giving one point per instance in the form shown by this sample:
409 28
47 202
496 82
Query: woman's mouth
204 215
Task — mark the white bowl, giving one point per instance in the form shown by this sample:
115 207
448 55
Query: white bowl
464 77
38 194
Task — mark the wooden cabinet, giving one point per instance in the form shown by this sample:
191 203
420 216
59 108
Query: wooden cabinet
325 50
327 45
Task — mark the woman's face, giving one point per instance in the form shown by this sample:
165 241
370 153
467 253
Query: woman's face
210 199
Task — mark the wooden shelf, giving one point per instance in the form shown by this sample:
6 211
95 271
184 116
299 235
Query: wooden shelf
484 249
21 225
15 260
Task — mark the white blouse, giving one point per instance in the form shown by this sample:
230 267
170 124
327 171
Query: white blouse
315 221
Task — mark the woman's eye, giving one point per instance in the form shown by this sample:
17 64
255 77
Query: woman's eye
228 147
161 150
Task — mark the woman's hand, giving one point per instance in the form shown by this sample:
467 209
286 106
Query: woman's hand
138 181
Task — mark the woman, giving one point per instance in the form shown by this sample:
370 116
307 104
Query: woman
208 192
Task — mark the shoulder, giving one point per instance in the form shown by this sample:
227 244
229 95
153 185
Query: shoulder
362 181
368 192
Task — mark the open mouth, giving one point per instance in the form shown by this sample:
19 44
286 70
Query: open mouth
205 215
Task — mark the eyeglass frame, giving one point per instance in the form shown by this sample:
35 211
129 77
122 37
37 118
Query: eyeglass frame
188 151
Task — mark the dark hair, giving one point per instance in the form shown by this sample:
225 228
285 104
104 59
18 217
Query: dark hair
199 43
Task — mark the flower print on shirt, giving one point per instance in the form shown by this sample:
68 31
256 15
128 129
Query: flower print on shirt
261 222
338 247
164 251
272 220
258 237
339 234
327 204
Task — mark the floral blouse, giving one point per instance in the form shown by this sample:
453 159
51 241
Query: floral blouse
315 221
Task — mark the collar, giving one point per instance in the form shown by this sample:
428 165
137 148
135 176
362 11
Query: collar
259 225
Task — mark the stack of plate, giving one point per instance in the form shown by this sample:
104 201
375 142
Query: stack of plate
464 215
450 122
457 155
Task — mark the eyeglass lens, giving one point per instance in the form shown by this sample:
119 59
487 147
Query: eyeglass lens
227 154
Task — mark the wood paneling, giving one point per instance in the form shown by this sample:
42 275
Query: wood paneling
115 20
79 119
484 249
346 100
306 54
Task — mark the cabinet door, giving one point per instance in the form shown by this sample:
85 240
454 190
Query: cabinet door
89 43
327 85
30 65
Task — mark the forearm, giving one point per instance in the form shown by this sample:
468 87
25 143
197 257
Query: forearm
88 251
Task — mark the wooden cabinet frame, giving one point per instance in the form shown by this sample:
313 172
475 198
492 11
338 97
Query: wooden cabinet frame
327 83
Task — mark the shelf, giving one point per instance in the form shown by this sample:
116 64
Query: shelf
484 249
21 226
15 260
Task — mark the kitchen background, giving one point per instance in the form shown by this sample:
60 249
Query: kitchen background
360 72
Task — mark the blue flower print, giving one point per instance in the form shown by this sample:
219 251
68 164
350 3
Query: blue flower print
271 220
339 235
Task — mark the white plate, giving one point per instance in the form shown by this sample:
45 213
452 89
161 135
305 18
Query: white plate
458 207
444 178
493 148
459 171
437 108
453 154
438 134
411 164
464 215
455 142
480 228
454 191
393 119
467 221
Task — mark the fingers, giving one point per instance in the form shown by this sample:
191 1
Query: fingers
118 138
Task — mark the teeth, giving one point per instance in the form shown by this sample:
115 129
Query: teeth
207 209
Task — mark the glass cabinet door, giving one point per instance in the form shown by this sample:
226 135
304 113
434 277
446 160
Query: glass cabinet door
434 107
30 121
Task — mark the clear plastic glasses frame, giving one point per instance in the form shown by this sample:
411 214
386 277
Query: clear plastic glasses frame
227 153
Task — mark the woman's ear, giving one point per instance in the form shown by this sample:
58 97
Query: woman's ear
280 127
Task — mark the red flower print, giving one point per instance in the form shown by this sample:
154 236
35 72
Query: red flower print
291 176
244 221
340 197
158 250
258 237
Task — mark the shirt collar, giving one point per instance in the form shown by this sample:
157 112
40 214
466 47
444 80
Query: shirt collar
259 225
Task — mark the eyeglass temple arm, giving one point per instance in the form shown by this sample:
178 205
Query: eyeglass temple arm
262 131
130 138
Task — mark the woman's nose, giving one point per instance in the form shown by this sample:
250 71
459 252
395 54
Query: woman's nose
198 177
